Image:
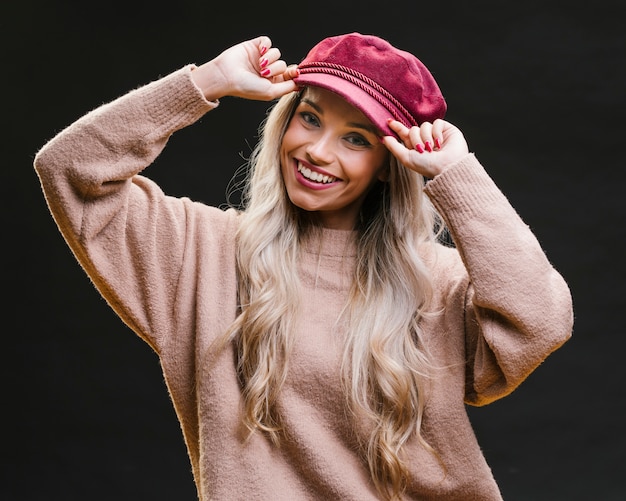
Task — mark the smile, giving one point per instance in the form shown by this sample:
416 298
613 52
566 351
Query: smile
316 177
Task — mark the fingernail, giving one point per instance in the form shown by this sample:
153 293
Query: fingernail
389 120
264 62
437 143
262 49
428 146
419 148
265 72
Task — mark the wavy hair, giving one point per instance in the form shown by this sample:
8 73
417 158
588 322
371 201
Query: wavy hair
385 364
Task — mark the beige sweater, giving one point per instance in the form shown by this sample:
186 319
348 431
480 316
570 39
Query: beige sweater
167 267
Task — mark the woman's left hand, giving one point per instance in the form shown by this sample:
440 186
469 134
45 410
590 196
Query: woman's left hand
427 149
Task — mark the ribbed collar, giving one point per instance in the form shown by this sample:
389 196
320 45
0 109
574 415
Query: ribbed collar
331 243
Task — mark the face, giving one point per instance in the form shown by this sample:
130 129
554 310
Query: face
330 158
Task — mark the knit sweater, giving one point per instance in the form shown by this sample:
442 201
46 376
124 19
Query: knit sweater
167 267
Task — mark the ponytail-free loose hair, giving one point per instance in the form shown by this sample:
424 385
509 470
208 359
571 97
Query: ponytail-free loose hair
385 364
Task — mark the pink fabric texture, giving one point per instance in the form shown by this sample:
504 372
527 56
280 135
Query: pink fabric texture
167 266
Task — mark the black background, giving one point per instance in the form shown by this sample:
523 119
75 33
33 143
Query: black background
537 88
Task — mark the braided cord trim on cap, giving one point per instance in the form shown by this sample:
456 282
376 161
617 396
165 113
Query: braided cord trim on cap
363 82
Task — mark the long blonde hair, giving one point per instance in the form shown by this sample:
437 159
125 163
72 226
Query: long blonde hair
385 364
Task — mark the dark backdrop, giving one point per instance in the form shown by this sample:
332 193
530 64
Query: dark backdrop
537 89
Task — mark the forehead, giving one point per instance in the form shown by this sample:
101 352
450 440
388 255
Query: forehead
329 102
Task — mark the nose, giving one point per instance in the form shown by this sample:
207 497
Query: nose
320 150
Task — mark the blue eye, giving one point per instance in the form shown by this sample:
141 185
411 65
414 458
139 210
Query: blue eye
357 140
309 118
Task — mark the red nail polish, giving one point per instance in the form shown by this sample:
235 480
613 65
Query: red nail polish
419 148
438 143
263 62
262 50
428 146
265 72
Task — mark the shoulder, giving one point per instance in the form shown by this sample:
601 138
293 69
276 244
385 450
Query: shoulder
212 220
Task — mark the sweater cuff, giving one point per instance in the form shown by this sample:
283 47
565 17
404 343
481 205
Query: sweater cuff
176 101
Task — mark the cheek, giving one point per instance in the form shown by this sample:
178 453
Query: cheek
369 170
290 135
285 165
292 139
285 146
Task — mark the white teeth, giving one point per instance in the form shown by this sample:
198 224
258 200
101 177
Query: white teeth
315 176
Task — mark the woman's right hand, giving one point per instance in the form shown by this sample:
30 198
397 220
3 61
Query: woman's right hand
251 70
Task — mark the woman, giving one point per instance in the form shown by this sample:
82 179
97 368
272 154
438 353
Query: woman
320 343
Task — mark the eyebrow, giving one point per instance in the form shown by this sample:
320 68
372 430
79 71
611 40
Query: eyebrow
358 125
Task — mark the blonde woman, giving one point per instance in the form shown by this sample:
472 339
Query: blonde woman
322 341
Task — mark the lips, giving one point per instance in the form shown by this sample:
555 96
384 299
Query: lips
314 176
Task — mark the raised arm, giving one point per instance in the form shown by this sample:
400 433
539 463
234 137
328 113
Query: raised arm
518 308
131 238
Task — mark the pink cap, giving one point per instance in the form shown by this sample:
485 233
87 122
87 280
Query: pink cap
379 79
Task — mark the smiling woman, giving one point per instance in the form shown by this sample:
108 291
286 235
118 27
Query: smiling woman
331 156
321 342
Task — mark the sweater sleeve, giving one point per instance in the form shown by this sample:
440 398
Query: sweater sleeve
518 307
129 237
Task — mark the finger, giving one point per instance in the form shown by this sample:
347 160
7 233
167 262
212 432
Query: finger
291 72
269 57
402 131
271 54
281 77
426 136
279 88
416 142
396 148
437 133
263 44
276 68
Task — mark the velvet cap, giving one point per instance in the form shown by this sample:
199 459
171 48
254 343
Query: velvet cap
376 77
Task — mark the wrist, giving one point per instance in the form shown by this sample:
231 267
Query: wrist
208 81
